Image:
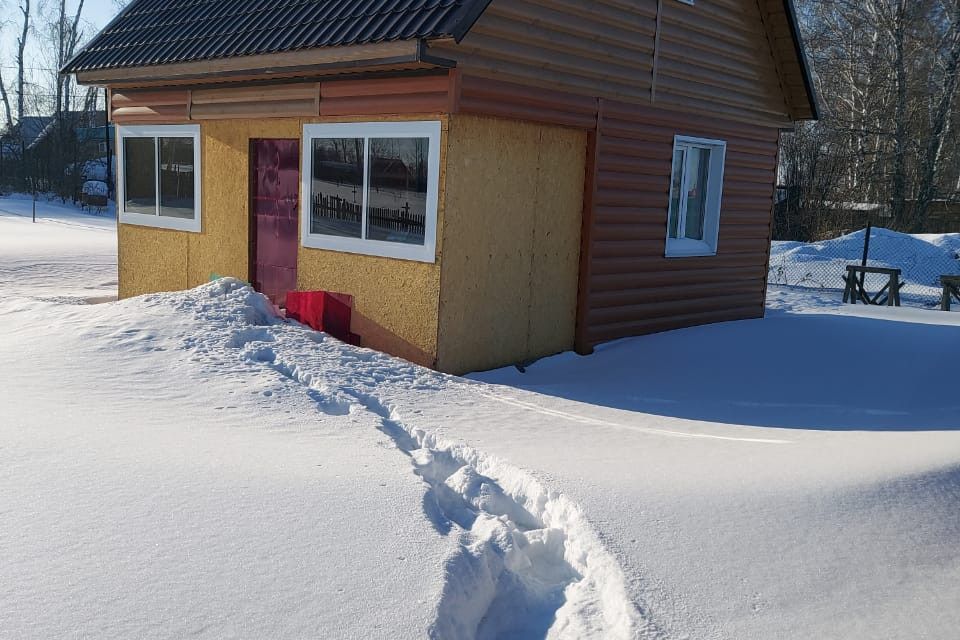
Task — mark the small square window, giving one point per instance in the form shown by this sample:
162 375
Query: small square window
159 177
696 186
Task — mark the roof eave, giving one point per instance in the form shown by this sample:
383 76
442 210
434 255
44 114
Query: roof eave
319 61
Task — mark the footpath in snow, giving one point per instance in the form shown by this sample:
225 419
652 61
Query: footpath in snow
193 453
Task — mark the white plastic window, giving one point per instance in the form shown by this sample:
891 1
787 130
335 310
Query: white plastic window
372 188
696 187
158 176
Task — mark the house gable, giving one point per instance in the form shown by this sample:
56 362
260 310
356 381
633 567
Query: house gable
739 58
729 58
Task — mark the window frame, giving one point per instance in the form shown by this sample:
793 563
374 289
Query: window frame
430 129
192 225
688 247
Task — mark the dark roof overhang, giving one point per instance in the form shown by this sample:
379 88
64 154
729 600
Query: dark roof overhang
408 55
794 22
151 33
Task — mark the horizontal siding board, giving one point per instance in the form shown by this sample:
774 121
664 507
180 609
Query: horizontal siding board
599 333
637 281
631 300
674 308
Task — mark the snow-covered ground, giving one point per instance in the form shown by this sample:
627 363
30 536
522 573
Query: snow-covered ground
922 259
188 464
66 252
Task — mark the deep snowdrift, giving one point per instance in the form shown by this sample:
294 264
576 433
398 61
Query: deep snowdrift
922 258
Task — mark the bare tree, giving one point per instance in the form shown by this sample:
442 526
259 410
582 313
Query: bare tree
940 118
21 66
4 96
887 75
7 112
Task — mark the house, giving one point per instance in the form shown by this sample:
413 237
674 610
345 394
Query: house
570 173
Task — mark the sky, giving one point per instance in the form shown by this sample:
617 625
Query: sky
96 14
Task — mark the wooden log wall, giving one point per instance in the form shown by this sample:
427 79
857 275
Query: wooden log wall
716 57
380 96
629 287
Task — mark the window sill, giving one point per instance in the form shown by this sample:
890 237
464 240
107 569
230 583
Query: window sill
160 222
677 248
376 248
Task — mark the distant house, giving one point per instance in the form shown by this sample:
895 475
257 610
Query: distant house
568 173
24 134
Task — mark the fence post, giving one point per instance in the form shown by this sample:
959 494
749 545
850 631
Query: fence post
866 253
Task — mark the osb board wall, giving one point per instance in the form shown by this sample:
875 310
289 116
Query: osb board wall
162 260
396 302
151 260
511 242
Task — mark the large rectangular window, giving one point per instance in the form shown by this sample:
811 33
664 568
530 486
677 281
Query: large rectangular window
696 185
159 176
372 188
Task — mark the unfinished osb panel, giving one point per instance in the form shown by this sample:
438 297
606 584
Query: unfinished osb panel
395 301
150 260
511 238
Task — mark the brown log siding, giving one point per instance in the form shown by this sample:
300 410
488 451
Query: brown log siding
633 288
714 57
357 97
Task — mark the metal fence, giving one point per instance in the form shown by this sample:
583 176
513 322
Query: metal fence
922 259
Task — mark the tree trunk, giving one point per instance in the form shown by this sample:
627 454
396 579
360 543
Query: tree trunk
930 163
21 67
7 113
898 189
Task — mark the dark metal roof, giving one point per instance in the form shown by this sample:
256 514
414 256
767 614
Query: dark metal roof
150 32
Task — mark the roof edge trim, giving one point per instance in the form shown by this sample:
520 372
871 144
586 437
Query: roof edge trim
794 21
471 13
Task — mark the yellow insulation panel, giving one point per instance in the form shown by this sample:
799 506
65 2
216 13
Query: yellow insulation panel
151 260
395 301
511 242
503 288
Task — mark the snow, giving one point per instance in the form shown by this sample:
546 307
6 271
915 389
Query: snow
95 188
186 463
922 258
65 254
